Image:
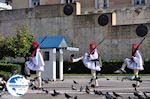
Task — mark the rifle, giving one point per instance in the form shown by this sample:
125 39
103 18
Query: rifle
43 40
138 46
98 45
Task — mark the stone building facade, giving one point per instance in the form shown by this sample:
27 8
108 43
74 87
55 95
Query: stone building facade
87 5
81 29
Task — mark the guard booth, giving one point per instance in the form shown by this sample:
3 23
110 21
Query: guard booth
52 48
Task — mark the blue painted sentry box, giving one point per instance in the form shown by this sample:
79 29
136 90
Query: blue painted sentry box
52 48
52 42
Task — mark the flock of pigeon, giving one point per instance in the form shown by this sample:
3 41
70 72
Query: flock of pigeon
107 95
87 90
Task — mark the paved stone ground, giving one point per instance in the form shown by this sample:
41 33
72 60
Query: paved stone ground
106 84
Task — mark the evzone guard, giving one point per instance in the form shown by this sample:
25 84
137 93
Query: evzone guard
135 63
35 63
91 60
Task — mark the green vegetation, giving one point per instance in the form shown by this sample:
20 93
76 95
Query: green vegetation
7 69
15 46
20 44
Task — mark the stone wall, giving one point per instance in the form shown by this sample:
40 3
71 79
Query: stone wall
17 4
133 15
119 3
79 30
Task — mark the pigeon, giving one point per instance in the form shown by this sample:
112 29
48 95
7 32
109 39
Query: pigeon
138 95
75 82
107 79
31 85
134 86
92 85
67 96
45 81
116 95
137 79
108 96
98 92
76 97
81 89
87 90
95 92
34 87
90 81
55 93
73 88
46 91
147 97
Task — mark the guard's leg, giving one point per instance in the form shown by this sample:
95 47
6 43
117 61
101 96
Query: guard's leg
124 65
93 76
131 77
76 59
96 82
122 69
26 71
93 72
136 73
137 78
39 78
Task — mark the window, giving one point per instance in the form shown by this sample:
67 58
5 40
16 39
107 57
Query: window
105 3
142 1
139 2
101 4
46 56
35 3
97 4
67 1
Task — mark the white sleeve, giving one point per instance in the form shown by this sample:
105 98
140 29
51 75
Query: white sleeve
94 56
137 57
40 59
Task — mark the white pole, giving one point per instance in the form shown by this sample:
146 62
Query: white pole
54 64
61 64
